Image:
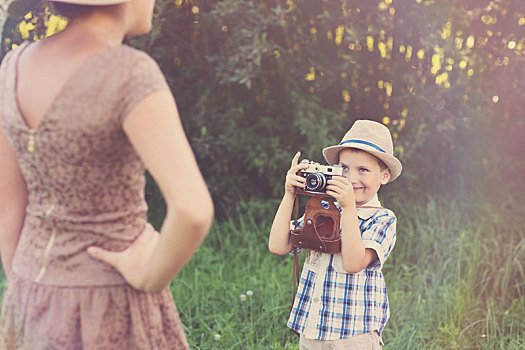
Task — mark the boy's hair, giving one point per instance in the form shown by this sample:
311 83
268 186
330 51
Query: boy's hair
382 165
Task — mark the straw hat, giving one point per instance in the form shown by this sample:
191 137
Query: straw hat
371 137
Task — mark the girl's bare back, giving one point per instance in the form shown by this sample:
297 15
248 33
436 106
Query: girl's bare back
43 70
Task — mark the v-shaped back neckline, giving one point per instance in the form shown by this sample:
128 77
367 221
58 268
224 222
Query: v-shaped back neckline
61 90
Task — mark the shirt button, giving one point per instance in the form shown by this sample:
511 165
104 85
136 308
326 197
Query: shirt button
316 300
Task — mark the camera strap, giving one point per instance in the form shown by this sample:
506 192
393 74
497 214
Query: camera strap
296 275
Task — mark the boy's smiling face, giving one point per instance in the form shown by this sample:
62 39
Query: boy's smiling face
364 173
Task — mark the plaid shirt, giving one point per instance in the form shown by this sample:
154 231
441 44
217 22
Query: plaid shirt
333 304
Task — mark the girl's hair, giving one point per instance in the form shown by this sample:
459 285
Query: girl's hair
71 11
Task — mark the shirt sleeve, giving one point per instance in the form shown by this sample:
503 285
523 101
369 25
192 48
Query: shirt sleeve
379 233
300 223
143 77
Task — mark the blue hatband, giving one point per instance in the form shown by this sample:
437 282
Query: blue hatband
364 143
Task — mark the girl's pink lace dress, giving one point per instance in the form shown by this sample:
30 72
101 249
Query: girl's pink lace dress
86 187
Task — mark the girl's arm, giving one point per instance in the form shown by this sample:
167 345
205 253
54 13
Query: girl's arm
279 241
13 202
153 127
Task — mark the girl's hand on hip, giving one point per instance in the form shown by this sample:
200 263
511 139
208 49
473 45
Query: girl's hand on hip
131 262
342 190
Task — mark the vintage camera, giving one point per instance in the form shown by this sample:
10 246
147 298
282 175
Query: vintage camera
317 175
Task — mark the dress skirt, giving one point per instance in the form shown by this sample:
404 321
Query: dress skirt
36 316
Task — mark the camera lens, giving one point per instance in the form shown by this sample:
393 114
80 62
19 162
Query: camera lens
315 182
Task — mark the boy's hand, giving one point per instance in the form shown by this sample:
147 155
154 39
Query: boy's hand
342 190
292 179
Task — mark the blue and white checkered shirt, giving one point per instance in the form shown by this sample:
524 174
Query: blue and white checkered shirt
333 304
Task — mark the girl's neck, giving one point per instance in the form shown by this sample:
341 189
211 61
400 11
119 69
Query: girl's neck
106 29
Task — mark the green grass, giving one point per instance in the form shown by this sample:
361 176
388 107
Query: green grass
456 280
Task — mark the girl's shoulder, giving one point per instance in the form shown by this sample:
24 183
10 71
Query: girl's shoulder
130 55
8 57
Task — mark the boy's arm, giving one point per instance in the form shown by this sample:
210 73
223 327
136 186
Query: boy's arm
353 252
279 241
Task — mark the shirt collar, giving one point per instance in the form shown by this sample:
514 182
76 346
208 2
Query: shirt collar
367 213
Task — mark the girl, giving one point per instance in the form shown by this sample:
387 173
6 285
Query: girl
81 117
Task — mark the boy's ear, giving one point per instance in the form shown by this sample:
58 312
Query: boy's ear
386 177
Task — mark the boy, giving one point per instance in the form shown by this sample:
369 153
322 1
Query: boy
341 301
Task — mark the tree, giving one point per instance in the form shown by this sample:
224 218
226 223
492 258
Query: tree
257 81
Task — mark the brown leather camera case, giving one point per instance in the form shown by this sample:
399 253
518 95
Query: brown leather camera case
320 231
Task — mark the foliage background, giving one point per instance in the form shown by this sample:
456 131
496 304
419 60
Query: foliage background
255 81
